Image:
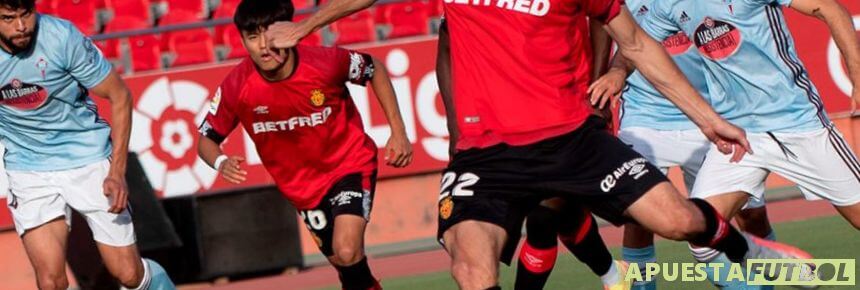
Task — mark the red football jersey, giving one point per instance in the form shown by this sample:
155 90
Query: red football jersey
521 68
306 128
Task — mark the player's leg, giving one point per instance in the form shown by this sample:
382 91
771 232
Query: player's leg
638 250
823 166
41 218
46 248
113 233
475 248
338 225
754 221
579 232
539 251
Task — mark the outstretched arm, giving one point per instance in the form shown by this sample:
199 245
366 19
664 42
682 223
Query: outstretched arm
842 28
649 57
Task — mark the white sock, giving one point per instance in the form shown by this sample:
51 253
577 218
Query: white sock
704 255
611 276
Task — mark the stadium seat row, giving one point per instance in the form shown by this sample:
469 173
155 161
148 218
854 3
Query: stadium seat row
207 45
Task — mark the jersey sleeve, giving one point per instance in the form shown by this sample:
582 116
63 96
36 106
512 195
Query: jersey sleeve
221 119
768 2
603 10
358 66
659 23
83 60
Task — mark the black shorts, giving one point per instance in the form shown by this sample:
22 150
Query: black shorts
502 183
352 194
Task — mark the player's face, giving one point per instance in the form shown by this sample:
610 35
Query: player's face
258 48
16 28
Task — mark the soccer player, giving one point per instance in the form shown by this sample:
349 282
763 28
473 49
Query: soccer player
655 128
757 80
556 219
525 132
60 155
295 105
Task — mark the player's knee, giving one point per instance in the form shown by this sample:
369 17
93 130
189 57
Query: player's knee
348 255
129 277
53 282
471 276
681 226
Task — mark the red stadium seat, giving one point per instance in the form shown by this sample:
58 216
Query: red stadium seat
45 6
191 47
132 8
177 17
358 27
408 19
80 12
145 50
198 7
225 10
303 4
435 8
233 40
315 38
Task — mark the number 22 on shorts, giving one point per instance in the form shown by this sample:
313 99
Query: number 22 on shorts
465 180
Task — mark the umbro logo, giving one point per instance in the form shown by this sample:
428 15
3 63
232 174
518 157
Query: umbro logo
261 110
684 17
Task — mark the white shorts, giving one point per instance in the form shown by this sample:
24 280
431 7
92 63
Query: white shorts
669 148
37 197
820 162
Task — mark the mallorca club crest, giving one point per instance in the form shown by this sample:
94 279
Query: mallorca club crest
22 96
446 207
317 98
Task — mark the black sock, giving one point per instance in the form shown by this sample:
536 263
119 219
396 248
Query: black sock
538 254
585 242
719 234
357 276
494 288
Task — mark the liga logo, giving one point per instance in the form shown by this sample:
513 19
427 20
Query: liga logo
165 118
758 272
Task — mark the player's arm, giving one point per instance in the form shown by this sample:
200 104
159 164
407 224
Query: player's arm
443 76
217 125
655 64
118 95
601 46
230 167
842 28
283 35
398 150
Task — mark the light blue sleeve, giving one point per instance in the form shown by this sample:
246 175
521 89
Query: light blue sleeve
659 24
83 60
768 2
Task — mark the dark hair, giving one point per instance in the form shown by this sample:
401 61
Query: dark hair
253 15
28 5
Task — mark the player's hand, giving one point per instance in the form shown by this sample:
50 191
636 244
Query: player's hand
398 151
729 139
232 171
285 34
607 88
116 190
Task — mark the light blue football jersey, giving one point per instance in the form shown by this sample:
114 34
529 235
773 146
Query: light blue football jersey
643 105
754 76
47 120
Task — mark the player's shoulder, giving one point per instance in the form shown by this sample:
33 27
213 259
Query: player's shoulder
319 55
237 78
56 27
